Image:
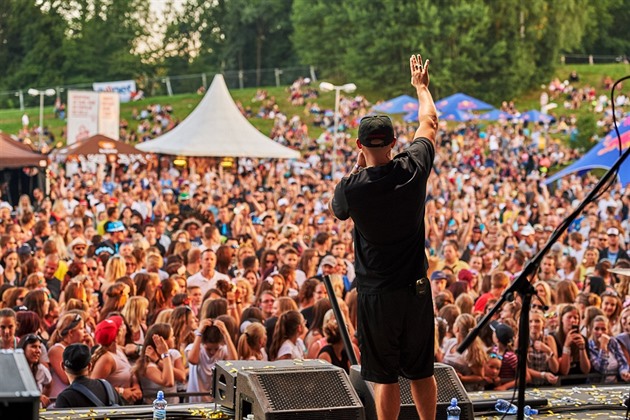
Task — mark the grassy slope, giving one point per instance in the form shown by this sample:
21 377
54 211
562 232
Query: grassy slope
10 120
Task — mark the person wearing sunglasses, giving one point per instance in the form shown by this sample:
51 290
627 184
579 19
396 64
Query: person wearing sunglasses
70 330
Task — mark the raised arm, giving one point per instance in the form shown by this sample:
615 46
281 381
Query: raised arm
427 114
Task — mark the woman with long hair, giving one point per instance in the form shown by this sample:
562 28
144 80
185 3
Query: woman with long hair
115 299
612 306
135 313
542 354
163 298
146 283
180 244
12 273
155 368
114 269
574 357
32 346
566 292
13 297
468 365
70 330
315 331
334 352
605 353
251 344
38 302
184 323
109 360
307 265
287 337
246 293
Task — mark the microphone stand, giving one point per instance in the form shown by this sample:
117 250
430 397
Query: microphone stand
343 329
523 286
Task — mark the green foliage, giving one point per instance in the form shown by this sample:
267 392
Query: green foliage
587 128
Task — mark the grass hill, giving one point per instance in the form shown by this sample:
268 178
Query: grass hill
593 75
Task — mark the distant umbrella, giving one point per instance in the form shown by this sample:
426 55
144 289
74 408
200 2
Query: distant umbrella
495 115
398 105
462 101
536 116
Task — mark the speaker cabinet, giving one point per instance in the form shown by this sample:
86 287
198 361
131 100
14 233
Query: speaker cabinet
318 392
225 374
19 394
448 386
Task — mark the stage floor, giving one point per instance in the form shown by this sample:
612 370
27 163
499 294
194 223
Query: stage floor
579 402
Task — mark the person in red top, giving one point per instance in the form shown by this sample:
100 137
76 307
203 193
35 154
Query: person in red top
498 283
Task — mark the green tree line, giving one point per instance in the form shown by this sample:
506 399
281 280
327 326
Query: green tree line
494 49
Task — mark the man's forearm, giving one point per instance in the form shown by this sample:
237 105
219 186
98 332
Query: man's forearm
426 107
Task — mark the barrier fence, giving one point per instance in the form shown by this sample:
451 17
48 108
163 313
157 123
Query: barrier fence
169 85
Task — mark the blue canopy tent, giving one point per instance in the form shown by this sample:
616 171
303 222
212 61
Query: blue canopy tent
461 101
536 116
398 105
495 115
603 156
447 114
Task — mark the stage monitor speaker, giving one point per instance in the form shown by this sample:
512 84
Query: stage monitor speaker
448 387
321 392
225 372
19 394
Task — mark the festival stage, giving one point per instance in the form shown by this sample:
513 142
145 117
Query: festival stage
580 402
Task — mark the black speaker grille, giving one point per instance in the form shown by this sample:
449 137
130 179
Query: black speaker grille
321 414
447 392
288 391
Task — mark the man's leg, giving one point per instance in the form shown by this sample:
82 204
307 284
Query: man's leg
387 400
424 392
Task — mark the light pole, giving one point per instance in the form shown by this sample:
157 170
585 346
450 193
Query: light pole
41 93
328 87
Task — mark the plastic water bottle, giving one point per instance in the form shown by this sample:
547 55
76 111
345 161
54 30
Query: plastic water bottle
528 411
503 406
159 407
453 411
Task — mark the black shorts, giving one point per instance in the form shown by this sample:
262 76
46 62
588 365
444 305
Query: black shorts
396 333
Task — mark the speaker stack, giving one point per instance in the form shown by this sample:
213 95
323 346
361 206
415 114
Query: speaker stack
19 394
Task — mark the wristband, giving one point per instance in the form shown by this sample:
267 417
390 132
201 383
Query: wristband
566 350
198 333
165 355
543 375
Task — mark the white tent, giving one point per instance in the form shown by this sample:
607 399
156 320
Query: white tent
217 128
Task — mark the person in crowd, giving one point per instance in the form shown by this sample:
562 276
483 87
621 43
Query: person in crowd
212 343
468 365
110 362
32 345
542 353
83 391
288 336
574 358
605 352
252 342
8 325
155 367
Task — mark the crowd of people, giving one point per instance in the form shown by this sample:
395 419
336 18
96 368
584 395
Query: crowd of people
162 275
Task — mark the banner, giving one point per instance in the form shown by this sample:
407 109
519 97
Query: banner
82 115
125 88
109 114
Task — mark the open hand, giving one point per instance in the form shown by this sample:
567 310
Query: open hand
419 71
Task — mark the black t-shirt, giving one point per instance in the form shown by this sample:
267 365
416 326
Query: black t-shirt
71 398
386 204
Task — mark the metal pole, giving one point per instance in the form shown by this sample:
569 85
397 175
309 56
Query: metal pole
41 117
204 81
20 95
335 128
240 79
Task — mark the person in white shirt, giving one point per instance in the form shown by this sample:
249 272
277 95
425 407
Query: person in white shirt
207 278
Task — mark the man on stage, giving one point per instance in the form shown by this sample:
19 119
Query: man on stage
385 198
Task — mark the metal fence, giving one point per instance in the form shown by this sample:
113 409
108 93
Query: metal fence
592 59
171 85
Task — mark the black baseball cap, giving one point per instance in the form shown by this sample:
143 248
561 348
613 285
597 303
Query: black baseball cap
376 131
76 357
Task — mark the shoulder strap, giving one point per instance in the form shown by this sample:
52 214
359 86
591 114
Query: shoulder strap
83 390
110 393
